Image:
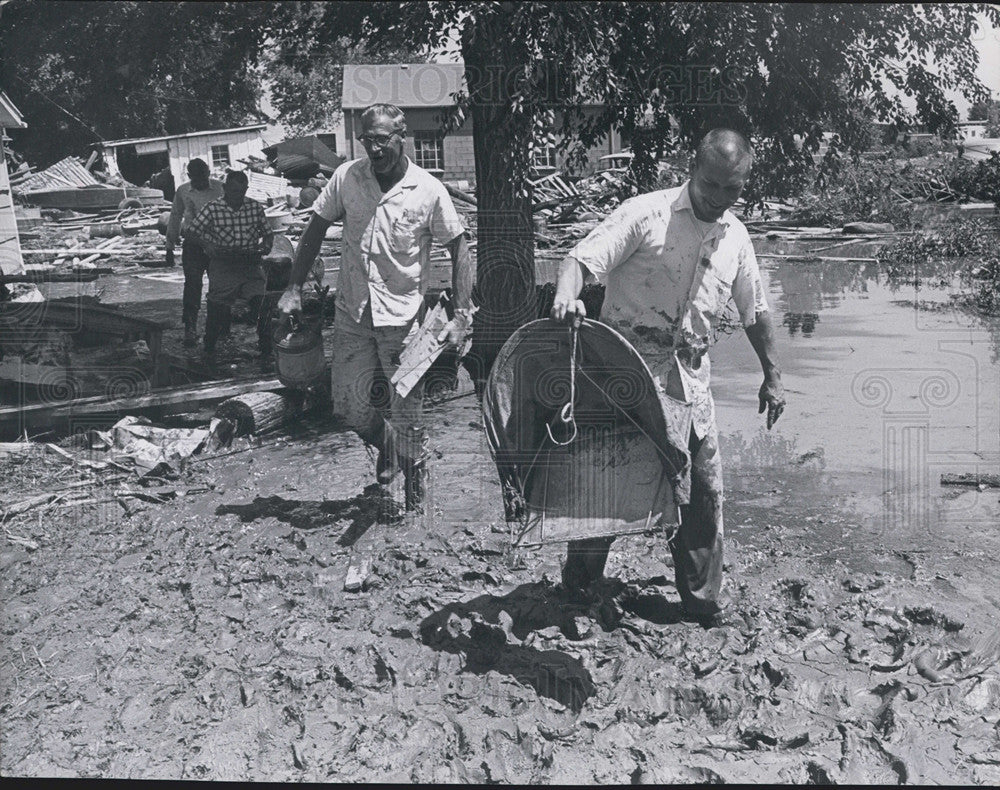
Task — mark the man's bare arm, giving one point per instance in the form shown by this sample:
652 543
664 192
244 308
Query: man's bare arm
772 393
569 283
307 250
461 272
305 254
457 330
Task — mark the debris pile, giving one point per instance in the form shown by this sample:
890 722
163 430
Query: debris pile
69 185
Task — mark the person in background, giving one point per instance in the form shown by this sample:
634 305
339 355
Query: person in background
392 210
190 198
164 181
235 233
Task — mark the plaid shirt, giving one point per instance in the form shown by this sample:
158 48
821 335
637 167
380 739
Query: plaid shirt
241 229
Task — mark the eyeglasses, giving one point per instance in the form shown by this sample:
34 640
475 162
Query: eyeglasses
381 140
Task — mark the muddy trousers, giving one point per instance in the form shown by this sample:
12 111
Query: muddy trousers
696 546
360 352
219 317
194 261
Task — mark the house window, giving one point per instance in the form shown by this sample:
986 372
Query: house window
428 150
220 157
544 157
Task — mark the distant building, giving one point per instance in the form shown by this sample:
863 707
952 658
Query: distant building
424 91
972 130
136 159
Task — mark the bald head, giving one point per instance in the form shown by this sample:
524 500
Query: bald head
720 170
725 146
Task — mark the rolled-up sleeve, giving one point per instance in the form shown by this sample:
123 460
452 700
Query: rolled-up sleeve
611 242
330 203
446 224
748 288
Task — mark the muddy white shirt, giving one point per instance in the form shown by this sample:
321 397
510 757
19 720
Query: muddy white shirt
385 256
668 278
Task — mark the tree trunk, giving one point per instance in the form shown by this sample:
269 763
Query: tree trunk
505 274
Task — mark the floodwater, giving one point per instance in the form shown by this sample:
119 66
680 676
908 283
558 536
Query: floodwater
889 385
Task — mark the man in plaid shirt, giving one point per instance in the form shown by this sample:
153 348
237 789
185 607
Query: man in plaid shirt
235 233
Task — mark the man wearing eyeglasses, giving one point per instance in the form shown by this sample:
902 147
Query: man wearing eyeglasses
392 210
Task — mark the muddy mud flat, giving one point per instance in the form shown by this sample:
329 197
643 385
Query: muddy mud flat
210 636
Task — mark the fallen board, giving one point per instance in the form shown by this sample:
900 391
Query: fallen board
16 419
971 479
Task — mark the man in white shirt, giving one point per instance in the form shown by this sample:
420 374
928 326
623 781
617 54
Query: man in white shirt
670 261
392 212
189 199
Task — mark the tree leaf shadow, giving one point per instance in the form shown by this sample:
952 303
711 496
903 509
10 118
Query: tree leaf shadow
373 506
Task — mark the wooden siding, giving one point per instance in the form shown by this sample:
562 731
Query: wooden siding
241 145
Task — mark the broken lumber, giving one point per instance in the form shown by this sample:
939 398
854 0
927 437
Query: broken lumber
868 227
974 479
63 252
86 276
28 504
458 194
260 412
15 419
815 258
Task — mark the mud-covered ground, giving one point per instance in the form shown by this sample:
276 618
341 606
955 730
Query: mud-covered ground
210 636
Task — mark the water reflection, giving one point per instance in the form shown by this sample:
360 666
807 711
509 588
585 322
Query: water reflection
806 289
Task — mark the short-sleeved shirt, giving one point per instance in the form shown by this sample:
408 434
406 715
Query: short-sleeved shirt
239 229
188 202
668 278
385 258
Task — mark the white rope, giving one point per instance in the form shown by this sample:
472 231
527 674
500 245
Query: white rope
566 413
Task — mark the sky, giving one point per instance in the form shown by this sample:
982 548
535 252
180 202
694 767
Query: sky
987 42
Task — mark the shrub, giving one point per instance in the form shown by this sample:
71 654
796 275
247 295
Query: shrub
976 180
852 191
971 240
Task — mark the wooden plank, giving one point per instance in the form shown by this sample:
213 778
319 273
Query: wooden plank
975 479
63 251
11 261
56 277
815 258
42 413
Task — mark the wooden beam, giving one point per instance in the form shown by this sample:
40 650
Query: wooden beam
63 252
45 414
977 479
815 258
